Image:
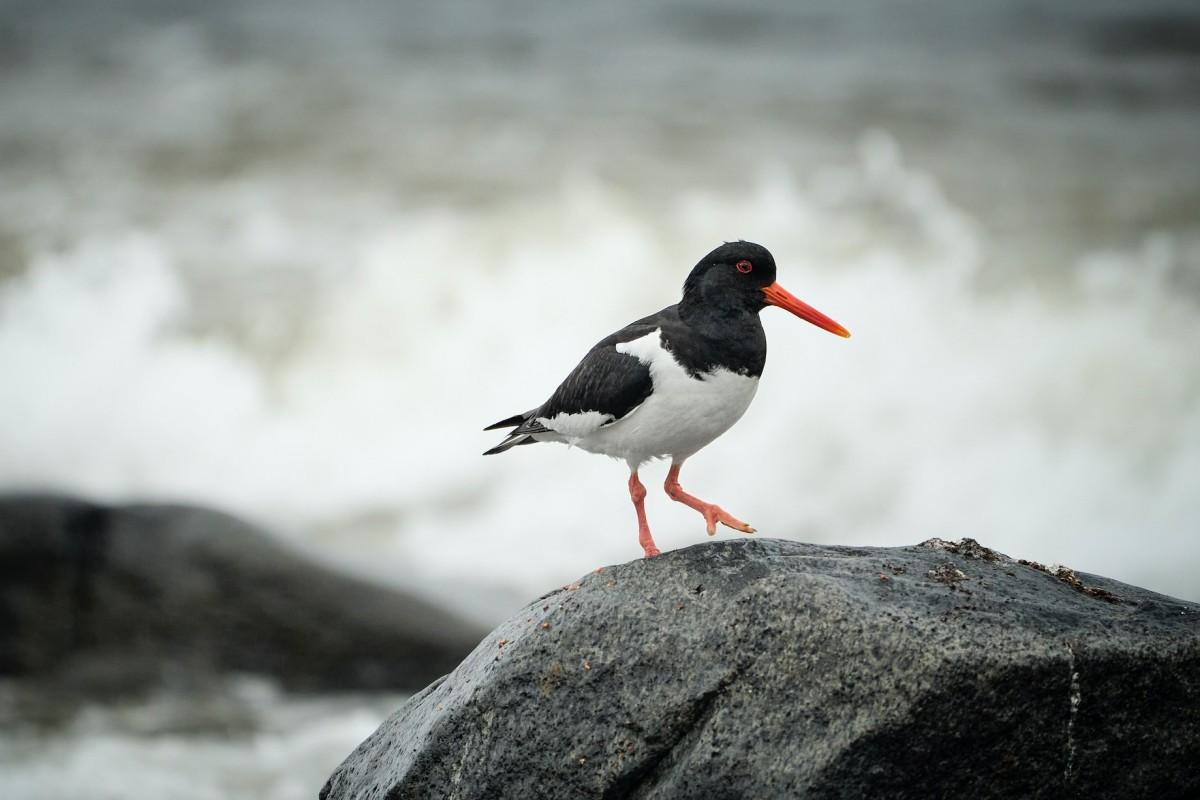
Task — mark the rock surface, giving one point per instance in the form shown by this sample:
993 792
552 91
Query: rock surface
765 668
100 598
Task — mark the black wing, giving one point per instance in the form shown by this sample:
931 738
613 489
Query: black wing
605 381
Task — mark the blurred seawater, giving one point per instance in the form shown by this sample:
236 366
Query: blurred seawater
289 258
243 740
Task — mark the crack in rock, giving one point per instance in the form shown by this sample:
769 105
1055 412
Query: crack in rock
1073 700
645 776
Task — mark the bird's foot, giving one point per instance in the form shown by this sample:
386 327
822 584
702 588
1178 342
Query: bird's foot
651 550
714 514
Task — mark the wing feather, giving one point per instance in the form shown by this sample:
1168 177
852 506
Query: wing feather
602 389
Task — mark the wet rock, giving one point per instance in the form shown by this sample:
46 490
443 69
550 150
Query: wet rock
101 598
765 668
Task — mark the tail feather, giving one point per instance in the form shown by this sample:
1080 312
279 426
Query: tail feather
521 432
511 441
511 422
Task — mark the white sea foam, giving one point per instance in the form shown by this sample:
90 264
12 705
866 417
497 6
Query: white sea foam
1060 427
297 287
248 740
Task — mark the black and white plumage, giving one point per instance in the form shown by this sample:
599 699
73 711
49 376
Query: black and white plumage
668 384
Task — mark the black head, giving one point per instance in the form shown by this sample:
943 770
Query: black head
731 277
739 278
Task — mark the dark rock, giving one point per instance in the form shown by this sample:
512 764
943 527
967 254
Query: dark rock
765 668
1147 35
115 598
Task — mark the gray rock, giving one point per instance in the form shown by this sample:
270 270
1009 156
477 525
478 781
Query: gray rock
100 598
764 668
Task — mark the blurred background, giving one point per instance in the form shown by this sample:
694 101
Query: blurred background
286 259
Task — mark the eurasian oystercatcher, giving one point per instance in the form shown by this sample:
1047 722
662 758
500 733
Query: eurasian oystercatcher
670 383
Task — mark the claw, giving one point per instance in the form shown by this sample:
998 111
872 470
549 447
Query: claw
714 514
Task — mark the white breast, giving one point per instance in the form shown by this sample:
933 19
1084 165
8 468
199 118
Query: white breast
681 416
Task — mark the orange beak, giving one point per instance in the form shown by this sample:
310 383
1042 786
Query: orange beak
776 295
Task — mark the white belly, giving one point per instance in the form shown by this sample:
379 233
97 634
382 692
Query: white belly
682 415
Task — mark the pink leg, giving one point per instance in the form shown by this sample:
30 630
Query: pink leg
637 492
712 512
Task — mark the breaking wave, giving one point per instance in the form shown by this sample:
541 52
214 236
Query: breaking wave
343 403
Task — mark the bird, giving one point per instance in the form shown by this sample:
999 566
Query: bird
669 384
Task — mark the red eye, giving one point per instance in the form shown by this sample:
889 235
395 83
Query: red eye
744 266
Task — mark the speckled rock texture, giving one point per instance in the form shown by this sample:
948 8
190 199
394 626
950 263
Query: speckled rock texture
97 599
759 668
